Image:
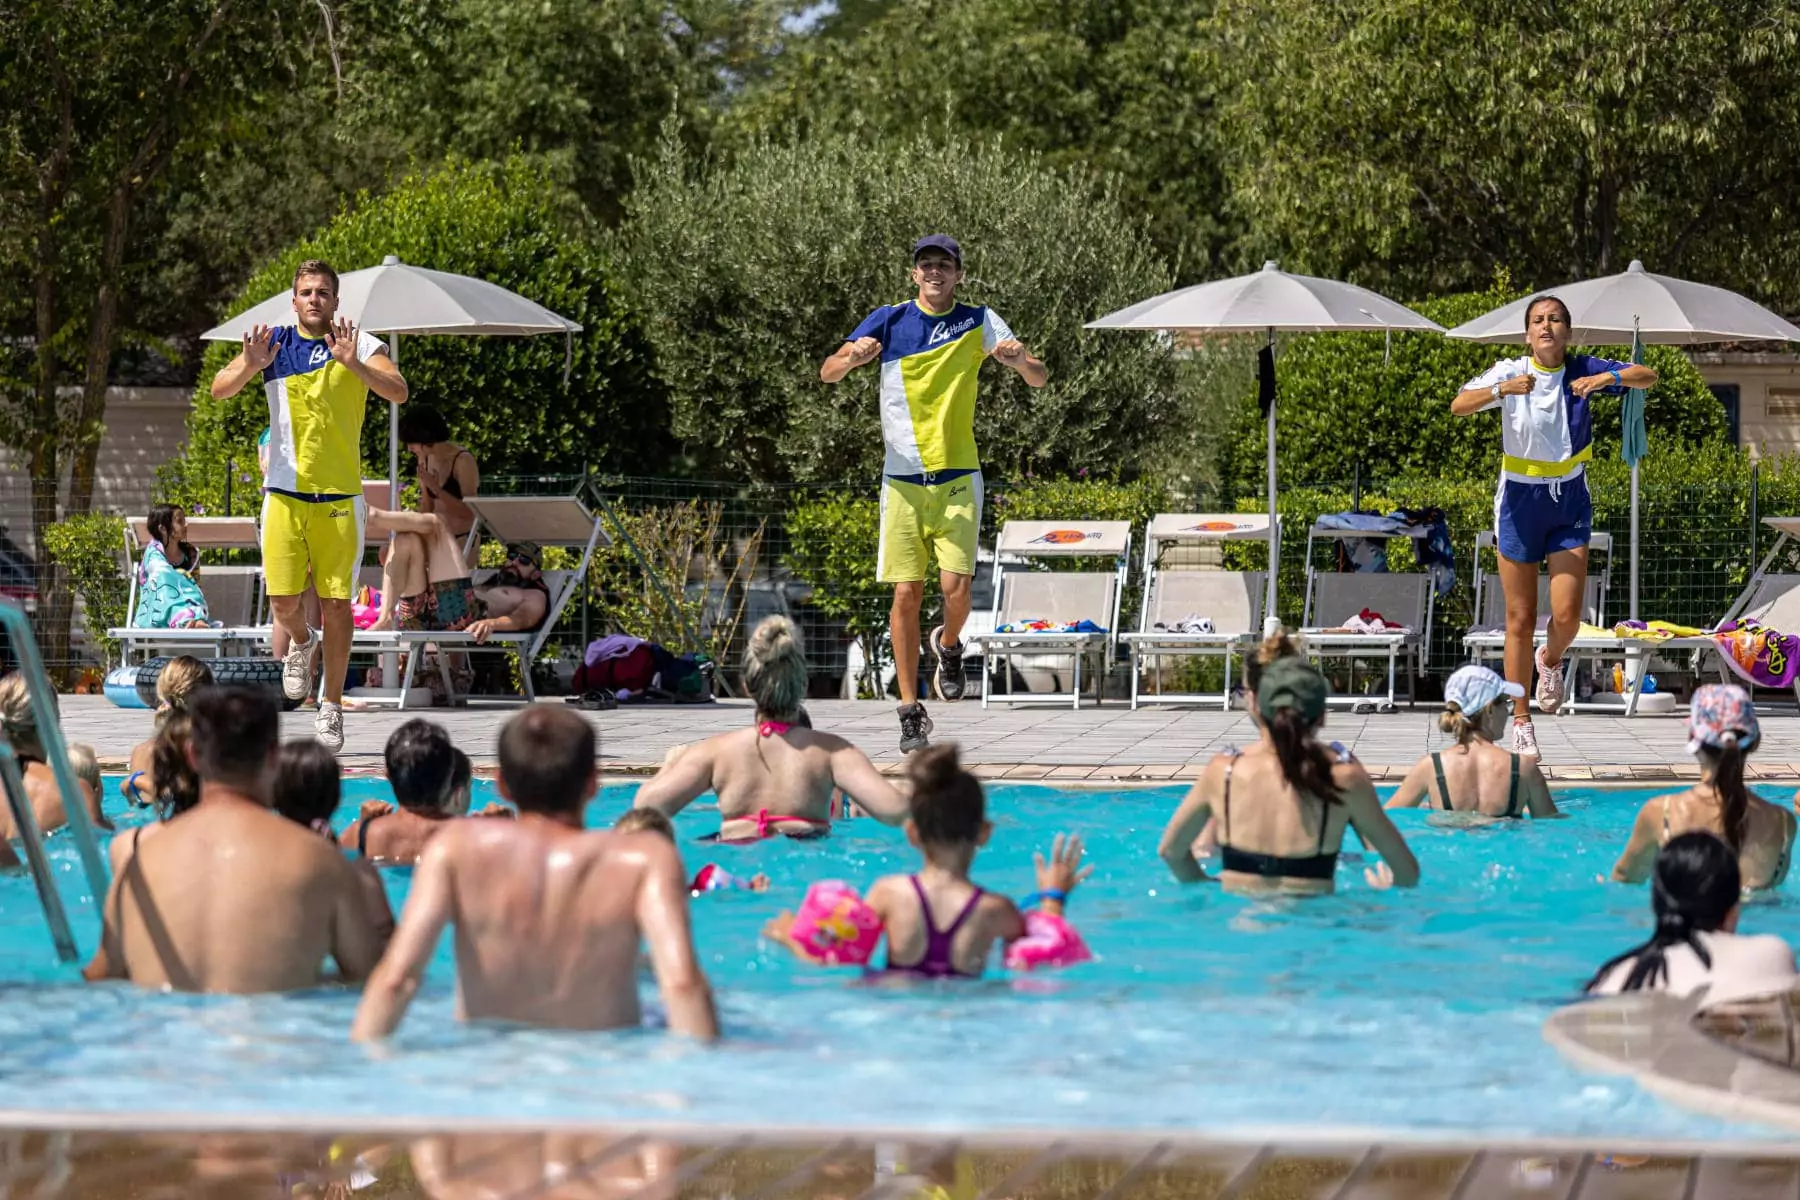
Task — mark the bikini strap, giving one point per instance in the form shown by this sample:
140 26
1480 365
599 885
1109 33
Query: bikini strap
1231 756
1437 763
1512 790
1665 834
362 835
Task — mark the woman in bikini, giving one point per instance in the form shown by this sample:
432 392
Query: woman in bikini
776 777
1283 804
447 472
1476 776
1722 731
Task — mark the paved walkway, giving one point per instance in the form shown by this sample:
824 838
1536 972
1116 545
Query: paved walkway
1026 742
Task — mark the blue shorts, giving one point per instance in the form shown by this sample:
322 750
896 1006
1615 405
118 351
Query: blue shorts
1531 524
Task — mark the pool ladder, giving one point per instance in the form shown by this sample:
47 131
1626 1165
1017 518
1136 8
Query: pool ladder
12 777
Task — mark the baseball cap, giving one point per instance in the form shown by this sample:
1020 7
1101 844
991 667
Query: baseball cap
1721 715
1473 688
938 241
1292 682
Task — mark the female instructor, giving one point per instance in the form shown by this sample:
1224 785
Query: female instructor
1542 512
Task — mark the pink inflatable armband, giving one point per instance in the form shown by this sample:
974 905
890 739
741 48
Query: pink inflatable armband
1049 941
713 878
836 926
367 609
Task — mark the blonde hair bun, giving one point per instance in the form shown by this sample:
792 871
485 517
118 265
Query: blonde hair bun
775 668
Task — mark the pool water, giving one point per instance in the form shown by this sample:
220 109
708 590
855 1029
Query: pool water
1412 1011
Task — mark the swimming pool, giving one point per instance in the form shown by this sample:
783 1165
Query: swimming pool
1415 1011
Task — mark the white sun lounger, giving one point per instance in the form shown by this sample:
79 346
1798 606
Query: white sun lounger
1231 600
1333 597
547 520
234 594
1024 594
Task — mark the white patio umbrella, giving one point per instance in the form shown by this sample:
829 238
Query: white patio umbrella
1638 305
395 299
1267 301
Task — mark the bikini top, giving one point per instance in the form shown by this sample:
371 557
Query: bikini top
1514 806
937 962
362 834
1321 864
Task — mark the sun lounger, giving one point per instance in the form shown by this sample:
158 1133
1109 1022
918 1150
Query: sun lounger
1336 599
234 594
547 520
1061 597
1231 600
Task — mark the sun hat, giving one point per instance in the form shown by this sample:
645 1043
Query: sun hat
1721 715
938 241
1292 682
1473 688
527 551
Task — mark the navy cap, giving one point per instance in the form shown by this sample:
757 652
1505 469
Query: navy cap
938 241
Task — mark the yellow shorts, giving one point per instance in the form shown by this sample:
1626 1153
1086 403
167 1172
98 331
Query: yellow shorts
326 536
945 516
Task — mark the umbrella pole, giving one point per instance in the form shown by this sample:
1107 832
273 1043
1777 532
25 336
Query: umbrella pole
1270 619
394 432
1634 541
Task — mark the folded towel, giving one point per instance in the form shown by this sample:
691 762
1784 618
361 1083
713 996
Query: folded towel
1039 625
1192 623
1655 631
1368 622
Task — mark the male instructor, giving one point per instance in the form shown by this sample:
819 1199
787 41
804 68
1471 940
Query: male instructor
930 350
318 376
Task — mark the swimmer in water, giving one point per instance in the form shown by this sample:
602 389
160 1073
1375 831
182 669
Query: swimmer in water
1722 733
1476 776
18 724
180 678
1284 804
939 923
709 878
548 916
778 777
171 763
432 782
309 786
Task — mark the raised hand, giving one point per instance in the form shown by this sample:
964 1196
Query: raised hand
342 338
1518 385
1380 876
259 347
1591 383
864 350
1011 351
1063 871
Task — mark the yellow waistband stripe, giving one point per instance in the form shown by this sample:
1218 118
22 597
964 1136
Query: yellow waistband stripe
1535 468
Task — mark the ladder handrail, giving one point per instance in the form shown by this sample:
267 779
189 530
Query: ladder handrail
43 704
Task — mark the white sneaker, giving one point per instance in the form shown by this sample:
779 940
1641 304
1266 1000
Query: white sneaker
328 726
1524 740
1549 684
297 667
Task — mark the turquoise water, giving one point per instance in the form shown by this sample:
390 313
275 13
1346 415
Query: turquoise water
1417 1010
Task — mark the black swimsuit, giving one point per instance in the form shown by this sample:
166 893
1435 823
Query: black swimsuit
1322 864
1514 808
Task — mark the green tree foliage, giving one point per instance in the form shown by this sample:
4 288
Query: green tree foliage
833 540
757 269
504 397
87 547
1420 145
1349 398
1116 85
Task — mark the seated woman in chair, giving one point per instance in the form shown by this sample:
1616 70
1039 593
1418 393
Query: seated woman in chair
169 595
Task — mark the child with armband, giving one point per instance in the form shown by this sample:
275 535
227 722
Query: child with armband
939 923
711 877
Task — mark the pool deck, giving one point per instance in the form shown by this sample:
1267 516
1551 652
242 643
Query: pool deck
1061 745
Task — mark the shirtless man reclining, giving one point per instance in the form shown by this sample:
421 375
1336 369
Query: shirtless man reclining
548 916
231 897
425 585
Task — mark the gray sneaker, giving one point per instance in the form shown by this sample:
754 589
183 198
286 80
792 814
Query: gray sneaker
947 675
915 728
297 668
328 726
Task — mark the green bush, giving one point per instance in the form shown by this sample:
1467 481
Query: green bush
1342 399
87 547
504 397
755 270
833 541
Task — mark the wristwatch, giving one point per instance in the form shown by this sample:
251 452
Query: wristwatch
1496 391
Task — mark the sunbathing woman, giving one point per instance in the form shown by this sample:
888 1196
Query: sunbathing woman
1722 731
1476 776
179 679
775 778
1284 803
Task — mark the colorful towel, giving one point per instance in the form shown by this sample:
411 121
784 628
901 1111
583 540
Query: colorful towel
1368 621
1655 631
1760 656
1042 626
168 597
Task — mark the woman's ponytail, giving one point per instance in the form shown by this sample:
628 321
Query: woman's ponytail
1304 763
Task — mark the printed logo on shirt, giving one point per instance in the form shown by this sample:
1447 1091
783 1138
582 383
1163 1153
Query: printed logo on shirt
958 489
319 354
943 332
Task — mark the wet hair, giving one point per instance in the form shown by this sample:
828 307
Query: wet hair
171 766
775 669
1277 645
1727 764
1304 763
1694 888
546 759
645 820
1547 298
421 765
948 806
85 766
317 266
177 682
161 525
236 731
422 425
309 785
18 721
